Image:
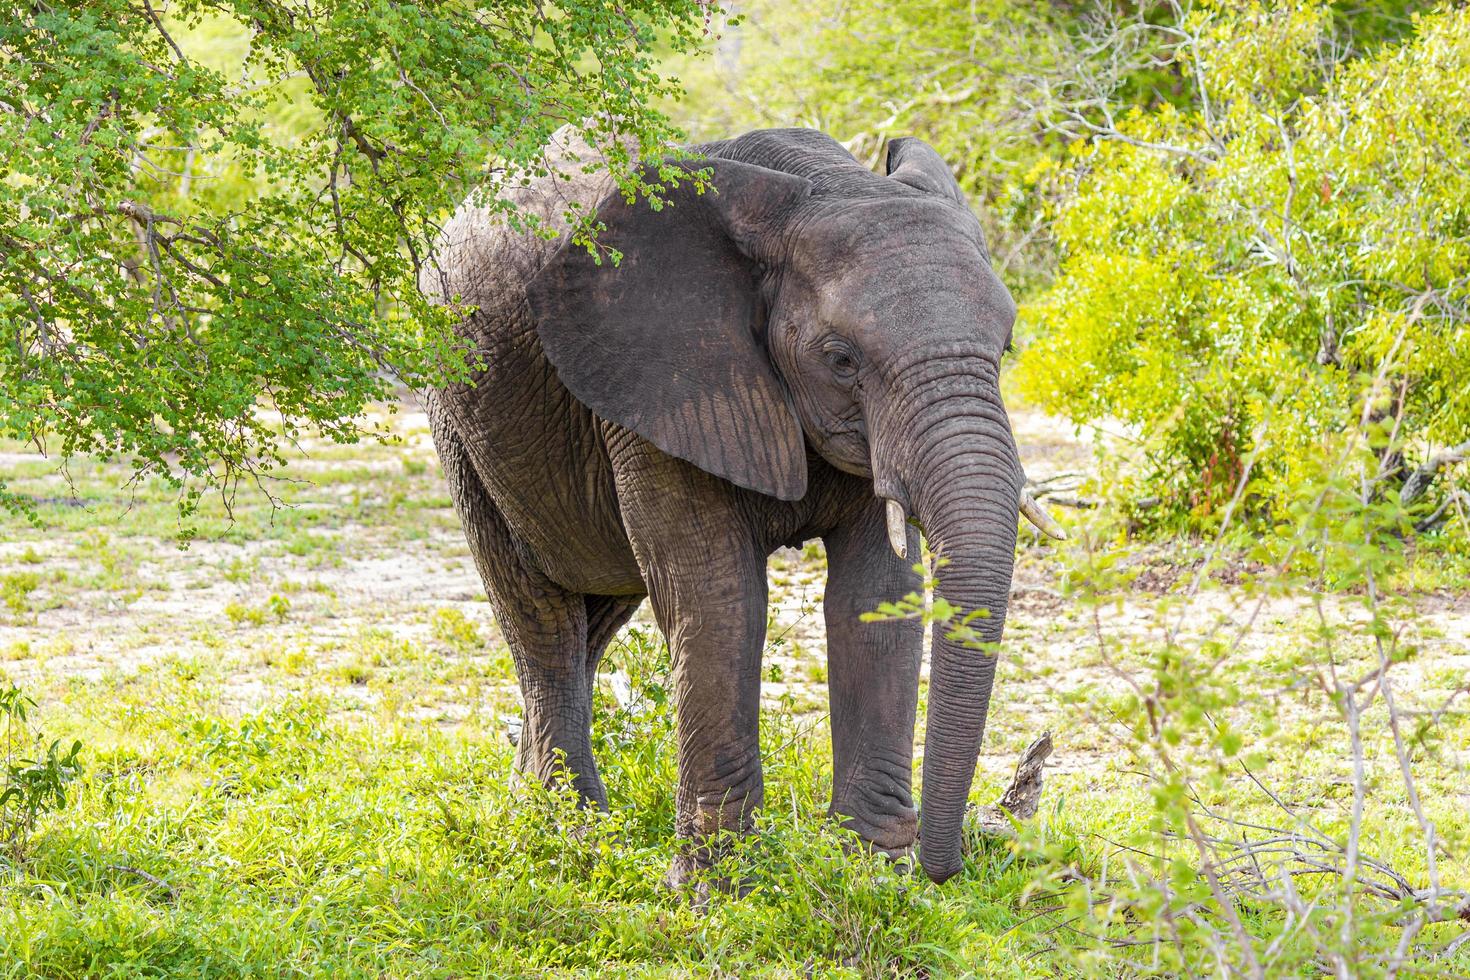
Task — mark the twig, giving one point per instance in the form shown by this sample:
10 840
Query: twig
1454 944
1423 478
154 880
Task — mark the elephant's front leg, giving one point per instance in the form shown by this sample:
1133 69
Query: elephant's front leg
873 681
716 629
706 579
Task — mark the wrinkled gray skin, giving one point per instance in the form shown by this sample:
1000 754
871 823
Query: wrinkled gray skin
765 366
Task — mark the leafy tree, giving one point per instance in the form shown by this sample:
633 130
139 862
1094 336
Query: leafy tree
981 80
186 240
1279 260
953 73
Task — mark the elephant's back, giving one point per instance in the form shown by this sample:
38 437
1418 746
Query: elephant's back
482 259
535 447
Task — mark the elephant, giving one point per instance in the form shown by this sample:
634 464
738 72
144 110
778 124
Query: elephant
799 348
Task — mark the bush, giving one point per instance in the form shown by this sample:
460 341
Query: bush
452 629
29 788
16 589
1235 274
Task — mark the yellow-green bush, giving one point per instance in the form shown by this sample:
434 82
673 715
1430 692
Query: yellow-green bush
1243 281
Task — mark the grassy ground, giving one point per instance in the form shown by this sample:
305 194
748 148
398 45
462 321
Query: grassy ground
297 757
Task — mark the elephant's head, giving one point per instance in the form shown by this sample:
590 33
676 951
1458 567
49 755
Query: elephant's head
853 312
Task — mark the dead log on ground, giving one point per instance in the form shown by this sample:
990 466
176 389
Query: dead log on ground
1021 799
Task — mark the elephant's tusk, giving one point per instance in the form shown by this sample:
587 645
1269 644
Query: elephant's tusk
898 534
1033 512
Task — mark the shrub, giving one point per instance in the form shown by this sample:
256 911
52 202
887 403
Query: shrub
16 589
240 614
29 787
452 629
1232 273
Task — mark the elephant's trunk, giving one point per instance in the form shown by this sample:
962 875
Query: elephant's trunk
977 537
963 479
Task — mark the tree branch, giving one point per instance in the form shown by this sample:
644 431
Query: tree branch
1423 478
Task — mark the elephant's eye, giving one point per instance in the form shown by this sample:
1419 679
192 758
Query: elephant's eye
839 357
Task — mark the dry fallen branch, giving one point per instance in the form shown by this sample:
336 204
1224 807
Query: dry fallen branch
154 880
1061 489
1071 500
1254 869
1022 798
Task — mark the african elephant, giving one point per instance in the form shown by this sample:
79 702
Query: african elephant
808 350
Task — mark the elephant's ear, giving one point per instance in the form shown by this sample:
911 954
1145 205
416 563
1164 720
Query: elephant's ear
671 341
912 161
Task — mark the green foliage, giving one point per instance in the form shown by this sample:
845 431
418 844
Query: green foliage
454 630
951 73
276 607
292 731
1281 260
16 589
213 214
30 788
240 614
959 624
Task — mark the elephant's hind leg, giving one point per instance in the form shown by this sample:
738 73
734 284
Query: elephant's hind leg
606 614
545 626
546 630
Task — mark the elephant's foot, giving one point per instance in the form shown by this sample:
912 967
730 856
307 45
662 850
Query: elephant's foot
686 869
552 768
890 828
708 826
690 872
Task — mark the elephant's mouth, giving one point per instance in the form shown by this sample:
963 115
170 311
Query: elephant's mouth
897 516
845 446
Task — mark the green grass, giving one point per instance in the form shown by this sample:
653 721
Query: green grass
321 836
295 840
295 767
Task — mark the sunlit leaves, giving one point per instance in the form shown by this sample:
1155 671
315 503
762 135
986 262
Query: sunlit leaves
213 212
1239 307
